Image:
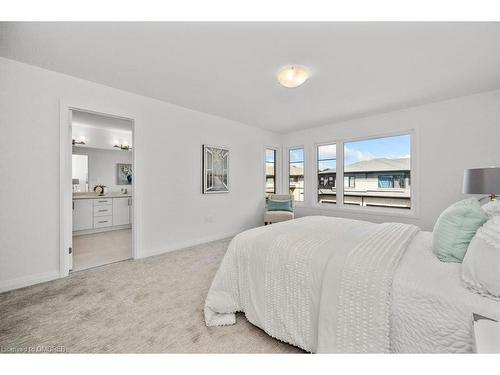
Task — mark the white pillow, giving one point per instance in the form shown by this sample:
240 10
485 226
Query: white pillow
481 264
492 208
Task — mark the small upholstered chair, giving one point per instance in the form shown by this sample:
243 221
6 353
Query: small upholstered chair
273 215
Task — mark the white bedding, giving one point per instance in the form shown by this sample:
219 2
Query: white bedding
432 309
307 282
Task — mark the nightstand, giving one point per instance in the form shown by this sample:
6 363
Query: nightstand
486 334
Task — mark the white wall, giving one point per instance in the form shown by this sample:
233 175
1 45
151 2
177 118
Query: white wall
172 211
104 138
450 136
102 166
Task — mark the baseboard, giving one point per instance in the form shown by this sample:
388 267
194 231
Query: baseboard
22 282
25 281
186 244
101 230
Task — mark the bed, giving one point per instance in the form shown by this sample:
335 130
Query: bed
337 285
431 308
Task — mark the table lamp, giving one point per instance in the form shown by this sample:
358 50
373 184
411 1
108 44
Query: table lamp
482 181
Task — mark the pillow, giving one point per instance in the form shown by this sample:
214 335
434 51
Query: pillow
492 208
455 228
481 266
279 205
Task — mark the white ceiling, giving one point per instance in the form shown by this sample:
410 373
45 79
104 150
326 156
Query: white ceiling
94 120
228 69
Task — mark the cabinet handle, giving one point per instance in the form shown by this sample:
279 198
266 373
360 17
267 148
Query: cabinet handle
102 222
73 205
103 210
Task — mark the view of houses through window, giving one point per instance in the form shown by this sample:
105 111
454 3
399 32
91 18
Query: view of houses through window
327 165
377 172
270 171
296 173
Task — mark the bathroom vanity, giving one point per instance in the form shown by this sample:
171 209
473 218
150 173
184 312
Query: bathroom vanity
94 213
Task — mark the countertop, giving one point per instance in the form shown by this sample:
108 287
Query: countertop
95 196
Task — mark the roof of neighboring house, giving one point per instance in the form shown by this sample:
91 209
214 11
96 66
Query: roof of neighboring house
269 170
375 165
296 171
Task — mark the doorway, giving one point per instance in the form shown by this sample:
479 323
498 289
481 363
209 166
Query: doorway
102 196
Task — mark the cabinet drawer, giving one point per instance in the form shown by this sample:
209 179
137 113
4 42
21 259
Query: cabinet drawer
103 201
103 210
103 221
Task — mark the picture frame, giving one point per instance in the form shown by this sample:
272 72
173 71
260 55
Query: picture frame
215 169
124 174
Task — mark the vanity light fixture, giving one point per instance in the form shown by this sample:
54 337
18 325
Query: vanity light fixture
123 146
81 141
292 76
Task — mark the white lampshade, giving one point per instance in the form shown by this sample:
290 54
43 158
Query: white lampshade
292 76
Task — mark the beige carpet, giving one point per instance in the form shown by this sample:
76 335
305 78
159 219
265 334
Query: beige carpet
92 250
152 305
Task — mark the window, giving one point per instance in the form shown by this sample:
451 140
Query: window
377 172
349 182
270 171
296 173
392 182
386 182
327 172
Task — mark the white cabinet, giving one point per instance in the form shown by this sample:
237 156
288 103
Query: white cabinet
121 211
103 221
103 201
486 334
83 217
93 215
103 210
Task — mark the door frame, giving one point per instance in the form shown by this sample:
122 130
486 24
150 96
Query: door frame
65 186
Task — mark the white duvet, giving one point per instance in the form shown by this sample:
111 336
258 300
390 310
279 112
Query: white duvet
320 283
337 285
432 308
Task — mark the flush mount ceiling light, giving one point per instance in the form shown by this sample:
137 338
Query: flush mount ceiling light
292 76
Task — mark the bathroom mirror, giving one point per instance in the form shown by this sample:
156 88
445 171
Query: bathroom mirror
80 173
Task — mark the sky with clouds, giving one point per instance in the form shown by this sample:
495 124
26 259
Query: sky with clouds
388 147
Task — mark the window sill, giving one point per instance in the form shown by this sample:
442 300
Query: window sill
391 212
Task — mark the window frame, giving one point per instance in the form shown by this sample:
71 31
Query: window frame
316 172
277 178
413 212
304 162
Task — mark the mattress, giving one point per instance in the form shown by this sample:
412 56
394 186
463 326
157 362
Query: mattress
432 309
